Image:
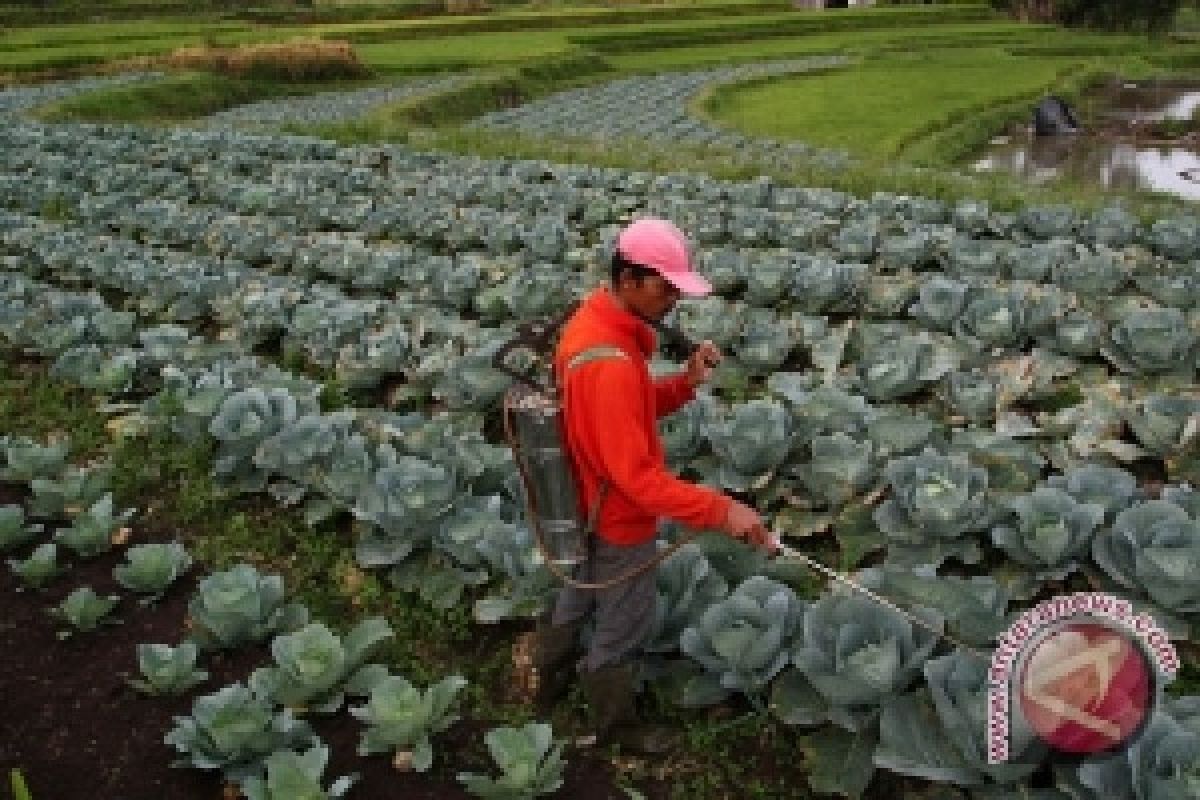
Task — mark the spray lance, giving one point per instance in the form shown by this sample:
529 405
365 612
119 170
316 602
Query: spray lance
533 427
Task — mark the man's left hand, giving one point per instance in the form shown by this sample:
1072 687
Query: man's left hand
700 363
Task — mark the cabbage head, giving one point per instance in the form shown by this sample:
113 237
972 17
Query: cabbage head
314 668
234 730
940 301
402 501
892 369
854 654
1164 424
1051 529
750 442
1110 487
839 467
296 776
742 641
935 502
1151 341
240 605
1153 549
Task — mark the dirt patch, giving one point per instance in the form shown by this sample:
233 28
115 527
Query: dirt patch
77 730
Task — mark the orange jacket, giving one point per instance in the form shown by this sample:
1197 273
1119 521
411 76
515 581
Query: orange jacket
610 412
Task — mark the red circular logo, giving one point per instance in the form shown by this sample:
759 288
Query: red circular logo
1085 688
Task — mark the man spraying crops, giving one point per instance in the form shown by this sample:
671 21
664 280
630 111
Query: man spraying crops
611 405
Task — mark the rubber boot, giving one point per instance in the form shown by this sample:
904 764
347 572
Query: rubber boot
555 648
610 695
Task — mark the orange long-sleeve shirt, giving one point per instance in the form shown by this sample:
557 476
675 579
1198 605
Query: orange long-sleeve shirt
610 410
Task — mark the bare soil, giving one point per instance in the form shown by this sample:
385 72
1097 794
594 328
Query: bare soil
76 730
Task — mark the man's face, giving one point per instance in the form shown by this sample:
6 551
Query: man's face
652 297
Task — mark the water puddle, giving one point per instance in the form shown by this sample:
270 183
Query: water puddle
1118 149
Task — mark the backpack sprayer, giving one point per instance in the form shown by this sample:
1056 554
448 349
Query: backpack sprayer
533 427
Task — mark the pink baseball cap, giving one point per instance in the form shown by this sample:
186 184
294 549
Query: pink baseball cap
659 245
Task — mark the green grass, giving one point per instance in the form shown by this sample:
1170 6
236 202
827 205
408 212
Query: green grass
874 109
855 42
179 97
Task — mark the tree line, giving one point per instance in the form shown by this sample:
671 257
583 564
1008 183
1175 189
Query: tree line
1119 15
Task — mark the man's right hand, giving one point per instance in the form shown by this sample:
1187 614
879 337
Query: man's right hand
743 522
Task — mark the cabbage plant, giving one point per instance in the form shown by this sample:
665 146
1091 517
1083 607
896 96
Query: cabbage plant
742 641
822 286
1006 317
150 569
839 467
686 585
1049 532
84 610
906 251
767 281
166 669
1110 227
765 341
889 295
1151 341
1091 276
314 669
245 420
1178 239
1164 424
711 318
973 395
1079 334
940 301
750 442
819 410
401 718
1110 487
1153 549
530 763
897 430
851 656
936 502
967 257
1177 286
524 587
14 530
892 369
239 605
40 568
234 731
25 460
296 776
76 489
939 733
1046 222
402 501
683 432
1162 763
91 532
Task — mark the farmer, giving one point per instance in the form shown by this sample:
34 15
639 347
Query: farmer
611 405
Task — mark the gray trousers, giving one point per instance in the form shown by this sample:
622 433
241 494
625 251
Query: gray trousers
623 613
